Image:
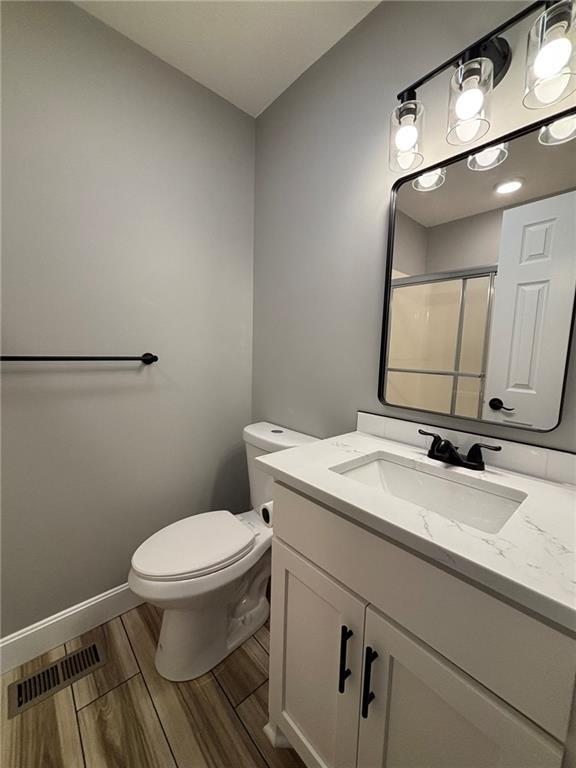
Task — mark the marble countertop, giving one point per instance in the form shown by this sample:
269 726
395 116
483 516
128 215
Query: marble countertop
530 560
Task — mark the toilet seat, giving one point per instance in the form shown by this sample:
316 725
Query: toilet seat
193 547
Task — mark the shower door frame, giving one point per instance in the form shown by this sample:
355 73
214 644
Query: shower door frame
464 275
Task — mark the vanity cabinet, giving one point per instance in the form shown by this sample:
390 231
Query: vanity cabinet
412 686
318 659
426 712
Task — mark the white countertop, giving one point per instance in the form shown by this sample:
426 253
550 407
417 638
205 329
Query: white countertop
530 560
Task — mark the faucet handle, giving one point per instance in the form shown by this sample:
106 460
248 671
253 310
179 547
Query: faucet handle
429 434
436 441
474 455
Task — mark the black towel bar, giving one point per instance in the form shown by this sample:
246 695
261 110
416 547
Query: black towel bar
146 359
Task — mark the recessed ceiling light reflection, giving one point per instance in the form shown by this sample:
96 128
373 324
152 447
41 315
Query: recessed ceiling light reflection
508 187
430 180
488 158
558 132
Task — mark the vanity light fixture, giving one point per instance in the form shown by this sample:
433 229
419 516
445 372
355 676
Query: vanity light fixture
469 103
508 187
558 132
488 158
430 180
406 123
551 56
479 68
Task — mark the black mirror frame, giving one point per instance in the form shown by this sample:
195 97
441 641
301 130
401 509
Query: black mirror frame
384 340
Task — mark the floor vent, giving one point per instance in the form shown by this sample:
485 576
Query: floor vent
28 691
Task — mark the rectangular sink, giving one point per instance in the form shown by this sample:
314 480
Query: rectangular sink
472 501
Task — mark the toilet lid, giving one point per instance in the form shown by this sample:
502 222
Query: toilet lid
195 546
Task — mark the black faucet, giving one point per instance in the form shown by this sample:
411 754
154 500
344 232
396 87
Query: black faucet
443 450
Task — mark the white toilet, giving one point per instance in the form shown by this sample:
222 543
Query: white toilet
209 572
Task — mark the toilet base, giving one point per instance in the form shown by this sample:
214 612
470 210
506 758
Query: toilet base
192 644
194 640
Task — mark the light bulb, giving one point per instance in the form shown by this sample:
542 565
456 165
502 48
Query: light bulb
552 57
563 128
406 137
430 180
550 74
405 159
558 132
488 158
550 90
507 187
468 130
469 103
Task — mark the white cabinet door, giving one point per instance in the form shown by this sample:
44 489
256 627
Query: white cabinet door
426 713
532 315
315 661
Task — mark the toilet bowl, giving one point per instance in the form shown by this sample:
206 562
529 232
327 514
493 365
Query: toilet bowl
214 598
209 572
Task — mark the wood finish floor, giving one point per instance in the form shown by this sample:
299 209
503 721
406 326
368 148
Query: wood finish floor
125 715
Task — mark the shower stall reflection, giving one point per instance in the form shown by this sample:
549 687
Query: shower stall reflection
438 341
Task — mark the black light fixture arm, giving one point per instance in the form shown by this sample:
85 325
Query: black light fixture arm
478 45
408 95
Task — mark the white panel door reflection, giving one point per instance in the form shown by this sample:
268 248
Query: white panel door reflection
533 300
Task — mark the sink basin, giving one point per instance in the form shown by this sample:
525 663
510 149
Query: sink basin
460 497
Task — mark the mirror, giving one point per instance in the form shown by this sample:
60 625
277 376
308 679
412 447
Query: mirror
482 273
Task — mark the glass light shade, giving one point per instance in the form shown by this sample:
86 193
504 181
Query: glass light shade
551 56
488 158
469 104
558 132
406 128
430 180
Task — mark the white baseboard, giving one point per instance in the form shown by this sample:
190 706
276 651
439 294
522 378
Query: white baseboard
38 638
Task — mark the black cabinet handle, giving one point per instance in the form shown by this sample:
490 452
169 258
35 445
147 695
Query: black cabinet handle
498 405
343 672
367 695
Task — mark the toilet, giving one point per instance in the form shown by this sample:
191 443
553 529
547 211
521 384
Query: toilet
209 573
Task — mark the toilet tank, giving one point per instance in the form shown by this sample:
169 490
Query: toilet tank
262 438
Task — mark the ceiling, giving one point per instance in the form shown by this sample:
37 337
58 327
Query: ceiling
248 51
544 171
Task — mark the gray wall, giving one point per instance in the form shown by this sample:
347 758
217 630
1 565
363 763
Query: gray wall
410 247
470 242
128 227
322 193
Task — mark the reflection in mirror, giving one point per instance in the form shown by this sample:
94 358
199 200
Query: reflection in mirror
483 277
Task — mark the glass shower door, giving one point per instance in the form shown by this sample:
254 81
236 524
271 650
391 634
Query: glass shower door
437 343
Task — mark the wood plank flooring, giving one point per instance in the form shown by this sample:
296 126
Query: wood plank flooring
120 667
45 735
243 671
125 715
138 741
